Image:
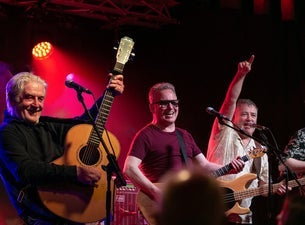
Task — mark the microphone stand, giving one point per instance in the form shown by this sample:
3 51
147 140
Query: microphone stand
270 181
112 166
275 151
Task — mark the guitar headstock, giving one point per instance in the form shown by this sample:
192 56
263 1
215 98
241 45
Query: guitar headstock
124 50
257 152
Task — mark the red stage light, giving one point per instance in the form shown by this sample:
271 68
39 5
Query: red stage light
287 7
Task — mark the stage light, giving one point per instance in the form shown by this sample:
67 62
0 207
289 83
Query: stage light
42 50
287 8
261 6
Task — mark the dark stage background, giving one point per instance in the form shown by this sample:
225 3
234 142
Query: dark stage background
199 56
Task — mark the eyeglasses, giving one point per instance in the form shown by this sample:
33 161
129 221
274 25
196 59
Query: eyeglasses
165 103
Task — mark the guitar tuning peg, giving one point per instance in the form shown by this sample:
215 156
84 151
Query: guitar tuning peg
116 45
131 57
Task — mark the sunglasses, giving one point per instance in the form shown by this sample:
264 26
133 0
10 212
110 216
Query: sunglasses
165 103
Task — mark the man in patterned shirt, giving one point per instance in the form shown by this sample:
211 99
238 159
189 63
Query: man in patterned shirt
295 154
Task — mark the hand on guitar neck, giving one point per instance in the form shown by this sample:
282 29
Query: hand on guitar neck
228 169
116 83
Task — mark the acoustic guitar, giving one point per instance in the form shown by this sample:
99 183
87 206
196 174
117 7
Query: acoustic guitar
77 202
149 206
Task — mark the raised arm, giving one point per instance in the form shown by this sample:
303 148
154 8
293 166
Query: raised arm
229 104
235 87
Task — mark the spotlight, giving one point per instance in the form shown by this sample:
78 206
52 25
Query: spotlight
42 50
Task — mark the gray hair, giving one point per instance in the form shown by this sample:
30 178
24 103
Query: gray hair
246 101
159 87
15 86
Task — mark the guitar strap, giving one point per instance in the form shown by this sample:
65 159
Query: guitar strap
182 147
256 167
257 161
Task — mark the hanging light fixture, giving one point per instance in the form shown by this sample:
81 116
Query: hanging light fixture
42 50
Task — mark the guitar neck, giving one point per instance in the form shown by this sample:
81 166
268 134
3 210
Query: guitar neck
104 111
118 68
108 99
123 53
225 169
264 189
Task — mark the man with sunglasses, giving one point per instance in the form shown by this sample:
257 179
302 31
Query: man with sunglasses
155 150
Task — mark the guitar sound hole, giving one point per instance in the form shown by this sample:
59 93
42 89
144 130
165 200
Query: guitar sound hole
89 156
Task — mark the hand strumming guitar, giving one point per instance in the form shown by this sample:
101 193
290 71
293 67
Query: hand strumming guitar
88 175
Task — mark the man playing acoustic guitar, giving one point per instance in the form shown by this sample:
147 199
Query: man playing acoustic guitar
29 144
156 150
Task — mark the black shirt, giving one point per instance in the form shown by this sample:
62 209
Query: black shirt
26 155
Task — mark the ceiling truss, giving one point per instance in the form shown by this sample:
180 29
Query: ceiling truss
109 13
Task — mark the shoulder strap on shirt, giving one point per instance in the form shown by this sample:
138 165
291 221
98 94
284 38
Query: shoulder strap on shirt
182 146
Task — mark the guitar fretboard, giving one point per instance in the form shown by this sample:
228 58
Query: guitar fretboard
102 117
263 190
225 169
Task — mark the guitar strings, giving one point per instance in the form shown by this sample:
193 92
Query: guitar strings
89 152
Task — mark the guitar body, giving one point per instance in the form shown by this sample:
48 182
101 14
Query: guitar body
77 202
234 191
229 187
148 206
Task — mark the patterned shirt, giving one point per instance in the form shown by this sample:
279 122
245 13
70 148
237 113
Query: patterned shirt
296 146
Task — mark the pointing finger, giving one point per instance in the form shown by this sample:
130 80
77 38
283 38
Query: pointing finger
251 59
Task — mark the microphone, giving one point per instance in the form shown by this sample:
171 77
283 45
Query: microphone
259 127
77 87
213 112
